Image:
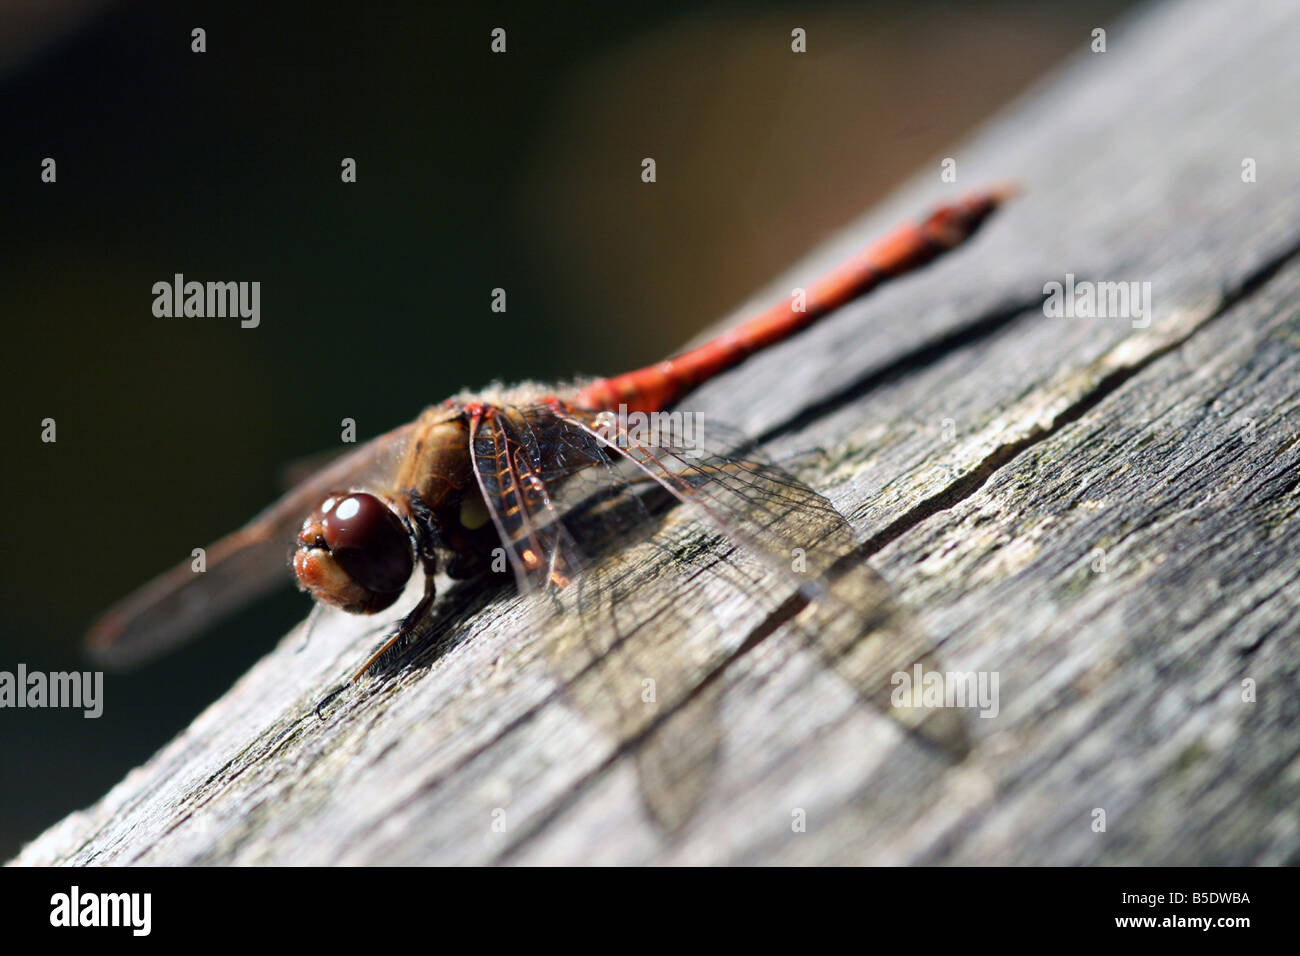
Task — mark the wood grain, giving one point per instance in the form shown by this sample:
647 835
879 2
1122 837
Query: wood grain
1103 513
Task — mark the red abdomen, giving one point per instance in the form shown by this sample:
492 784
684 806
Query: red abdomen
658 386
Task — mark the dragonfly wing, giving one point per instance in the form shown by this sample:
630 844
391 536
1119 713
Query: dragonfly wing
629 639
840 608
650 644
305 468
653 614
239 568
520 461
636 639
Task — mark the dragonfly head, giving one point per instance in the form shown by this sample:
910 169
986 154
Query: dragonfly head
354 552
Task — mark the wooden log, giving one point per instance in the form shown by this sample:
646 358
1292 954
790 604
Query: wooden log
1103 512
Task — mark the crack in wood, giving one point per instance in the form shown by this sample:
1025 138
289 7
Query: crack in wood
1107 385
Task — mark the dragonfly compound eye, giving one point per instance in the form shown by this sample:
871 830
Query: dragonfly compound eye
354 553
369 543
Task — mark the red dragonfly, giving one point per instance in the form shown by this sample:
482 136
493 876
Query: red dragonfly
533 479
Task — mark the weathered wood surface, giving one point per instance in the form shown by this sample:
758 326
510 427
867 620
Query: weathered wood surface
1107 517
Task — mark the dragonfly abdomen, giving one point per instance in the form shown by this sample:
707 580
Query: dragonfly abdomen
658 386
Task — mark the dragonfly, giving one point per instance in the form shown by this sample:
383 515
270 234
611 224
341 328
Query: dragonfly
541 483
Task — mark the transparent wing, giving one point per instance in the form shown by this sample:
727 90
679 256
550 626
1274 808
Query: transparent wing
656 612
842 608
240 568
516 484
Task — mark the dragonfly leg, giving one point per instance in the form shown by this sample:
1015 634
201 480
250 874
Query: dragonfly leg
317 611
328 698
403 630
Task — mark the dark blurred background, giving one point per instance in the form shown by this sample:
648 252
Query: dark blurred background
474 171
